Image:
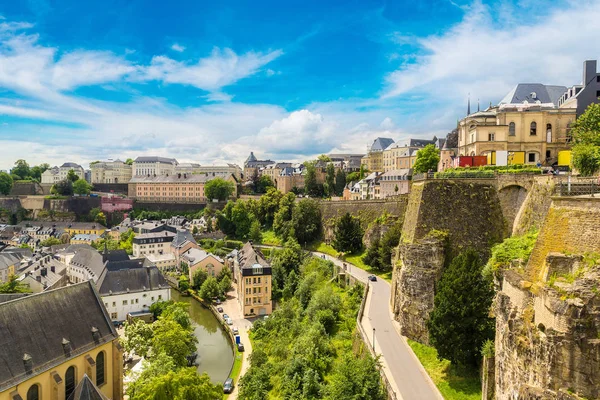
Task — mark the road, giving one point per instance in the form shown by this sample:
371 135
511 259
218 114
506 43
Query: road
407 373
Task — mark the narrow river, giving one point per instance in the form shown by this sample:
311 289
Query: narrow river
215 354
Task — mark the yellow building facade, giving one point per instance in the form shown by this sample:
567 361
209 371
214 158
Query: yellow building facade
253 275
179 188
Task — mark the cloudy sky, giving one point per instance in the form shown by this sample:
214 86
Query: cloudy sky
209 81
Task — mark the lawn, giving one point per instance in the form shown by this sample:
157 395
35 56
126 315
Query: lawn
236 369
453 384
355 259
270 239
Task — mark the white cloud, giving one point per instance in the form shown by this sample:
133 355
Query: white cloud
177 47
82 68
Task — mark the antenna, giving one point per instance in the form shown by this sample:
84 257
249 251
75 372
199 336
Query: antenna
469 104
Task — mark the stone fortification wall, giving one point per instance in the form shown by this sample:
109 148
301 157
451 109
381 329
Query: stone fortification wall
366 210
532 213
26 189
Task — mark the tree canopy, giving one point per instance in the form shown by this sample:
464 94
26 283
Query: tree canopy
6 183
347 234
427 159
13 285
81 187
306 220
218 188
72 176
586 135
63 188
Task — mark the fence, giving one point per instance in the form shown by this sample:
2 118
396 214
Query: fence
578 186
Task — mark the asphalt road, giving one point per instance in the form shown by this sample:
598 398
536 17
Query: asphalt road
407 372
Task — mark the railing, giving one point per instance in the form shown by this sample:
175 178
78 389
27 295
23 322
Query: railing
578 186
422 177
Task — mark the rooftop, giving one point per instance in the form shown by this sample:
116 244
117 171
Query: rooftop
175 178
153 159
130 276
534 92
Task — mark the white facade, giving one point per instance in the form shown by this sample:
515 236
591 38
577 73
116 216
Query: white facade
78 274
111 172
57 174
150 166
119 305
162 261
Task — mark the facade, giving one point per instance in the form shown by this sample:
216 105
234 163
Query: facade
131 287
163 262
402 154
45 273
581 96
199 259
350 162
9 263
84 238
395 182
253 166
47 357
110 171
179 188
374 158
366 187
187 168
222 171
88 264
152 243
57 174
274 170
151 166
253 275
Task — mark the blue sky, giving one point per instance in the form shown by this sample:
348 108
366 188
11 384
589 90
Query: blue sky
211 81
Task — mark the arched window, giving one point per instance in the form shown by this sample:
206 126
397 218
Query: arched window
100 369
34 392
549 133
511 129
533 129
70 382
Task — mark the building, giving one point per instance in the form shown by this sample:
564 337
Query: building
368 187
110 171
151 166
402 154
581 96
253 275
253 167
128 287
57 174
449 150
182 242
43 273
163 262
395 182
179 188
84 238
199 259
527 123
349 162
9 262
222 171
52 340
187 168
274 170
152 243
374 158
88 264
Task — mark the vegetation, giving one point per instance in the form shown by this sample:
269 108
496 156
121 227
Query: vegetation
125 242
255 233
427 159
340 182
586 135
304 350
379 253
72 176
453 383
62 188
511 249
348 234
460 322
311 188
329 186
13 285
81 187
218 188
22 171
6 183
129 161
51 241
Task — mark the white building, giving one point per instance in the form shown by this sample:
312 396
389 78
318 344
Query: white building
57 174
222 171
152 243
150 166
111 172
187 168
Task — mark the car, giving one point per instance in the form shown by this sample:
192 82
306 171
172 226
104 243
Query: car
372 278
217 301
228 386
220 309
240 347
229 321
225 316
235 330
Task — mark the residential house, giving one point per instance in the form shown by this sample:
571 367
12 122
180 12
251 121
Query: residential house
129 287
253 274
88 264
374 158
402 154
349 162
154 166
179 188
395 182
274 170
44 273
182 242
448 151
83 238
199 259
581 96
367 186
9 263
57 174
71 337
152 243
149 227
111 171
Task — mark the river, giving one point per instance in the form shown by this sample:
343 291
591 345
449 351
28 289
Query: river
215 353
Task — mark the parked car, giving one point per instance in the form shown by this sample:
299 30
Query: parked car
220 309
235 330
240 347
228 386
372 278
229 321
217 301
225 316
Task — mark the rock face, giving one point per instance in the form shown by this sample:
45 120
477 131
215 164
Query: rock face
413 286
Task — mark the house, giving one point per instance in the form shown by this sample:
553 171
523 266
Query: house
88 264
52 340
57 174
164 262
43 273
581 96
83 238
253 275
367 186
152 243
402 154
349 162
9 263
178 188
182 242
154 166
110 171
395 182
200 259
129 286
149 227
253 166
374 158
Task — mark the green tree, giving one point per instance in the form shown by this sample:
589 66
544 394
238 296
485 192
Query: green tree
255 234
268 206
137 338
198 279
63 188
347 234
306 220
182 384
159 307
241 219
72 176
324 158
209 289
178 312
330 180
6 183
460 322
282 222
225 285
356 378
586 129
586 158
100 218
427 159
37 171
21 169
263 184
340 182
172 339
81 187
218 188
373 256
13 285
51 241
184 283
310 179
389 242
129 161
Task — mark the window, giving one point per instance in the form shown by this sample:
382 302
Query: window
137 301
491 137
114 304
533 129
124 302
597 93
70 382
511 129
113 315
34 392
549 133
548 154
100 369
531 157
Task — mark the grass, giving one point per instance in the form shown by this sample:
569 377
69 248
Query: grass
236 369
270 239
355 259
452 383
56 197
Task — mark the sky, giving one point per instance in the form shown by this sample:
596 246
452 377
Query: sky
209 82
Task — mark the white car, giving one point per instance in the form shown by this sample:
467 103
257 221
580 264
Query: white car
229 321
234 330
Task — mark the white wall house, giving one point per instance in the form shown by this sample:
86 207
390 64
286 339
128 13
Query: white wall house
57 174
119 305
149 166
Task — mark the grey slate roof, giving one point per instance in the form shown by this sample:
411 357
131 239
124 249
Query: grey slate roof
181 237
380 144
544 93
37 324
70 165
8 259
130 276
86 390
251 157
153 159
4 297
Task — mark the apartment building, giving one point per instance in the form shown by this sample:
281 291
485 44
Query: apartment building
178 188
57 174
152 243
110 171
151 165
374 158
253 275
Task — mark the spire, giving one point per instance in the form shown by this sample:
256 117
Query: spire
477 105
469 105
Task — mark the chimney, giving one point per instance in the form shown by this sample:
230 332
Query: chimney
38 278
95 334
44 271
52 268
589 71
27 363
66 345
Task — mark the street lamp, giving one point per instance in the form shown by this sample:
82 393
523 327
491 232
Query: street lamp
373 340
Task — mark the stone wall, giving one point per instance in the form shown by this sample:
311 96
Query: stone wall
532 213
171 207
26 189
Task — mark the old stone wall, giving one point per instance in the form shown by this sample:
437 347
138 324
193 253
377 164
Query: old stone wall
532 213
26 189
